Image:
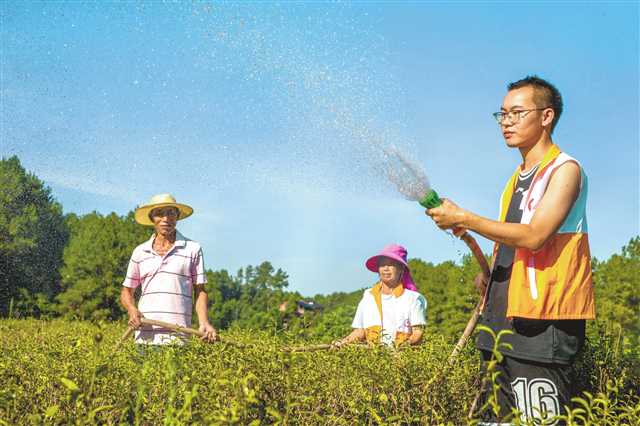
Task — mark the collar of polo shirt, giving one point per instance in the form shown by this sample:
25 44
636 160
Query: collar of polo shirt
180 242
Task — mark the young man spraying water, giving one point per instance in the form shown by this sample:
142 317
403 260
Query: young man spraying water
540 286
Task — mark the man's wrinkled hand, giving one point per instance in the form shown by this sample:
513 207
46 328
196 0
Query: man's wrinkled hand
135 318
210 334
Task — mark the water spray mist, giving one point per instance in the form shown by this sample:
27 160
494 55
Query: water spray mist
409 178
412 182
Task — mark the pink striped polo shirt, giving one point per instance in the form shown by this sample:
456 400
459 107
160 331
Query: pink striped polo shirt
167 285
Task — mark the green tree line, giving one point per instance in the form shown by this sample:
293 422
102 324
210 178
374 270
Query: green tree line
72 266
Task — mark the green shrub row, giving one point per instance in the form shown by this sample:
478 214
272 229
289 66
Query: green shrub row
61 372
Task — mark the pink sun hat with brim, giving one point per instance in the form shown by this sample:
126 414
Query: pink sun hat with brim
398 253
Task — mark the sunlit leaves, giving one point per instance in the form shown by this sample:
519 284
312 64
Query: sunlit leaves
57 373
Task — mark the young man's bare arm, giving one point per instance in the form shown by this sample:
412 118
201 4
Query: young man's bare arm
554 207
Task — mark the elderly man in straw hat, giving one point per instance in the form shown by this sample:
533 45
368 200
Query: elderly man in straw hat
169 268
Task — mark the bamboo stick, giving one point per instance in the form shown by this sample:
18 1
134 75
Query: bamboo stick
320 347
173 327
471 325
124 337
310 348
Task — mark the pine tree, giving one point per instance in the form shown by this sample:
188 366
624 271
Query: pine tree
32 238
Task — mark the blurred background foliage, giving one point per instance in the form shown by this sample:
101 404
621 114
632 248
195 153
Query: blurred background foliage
72 266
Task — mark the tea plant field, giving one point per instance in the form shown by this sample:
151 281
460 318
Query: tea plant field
62 372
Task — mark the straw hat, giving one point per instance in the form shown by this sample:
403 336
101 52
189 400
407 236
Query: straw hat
160 200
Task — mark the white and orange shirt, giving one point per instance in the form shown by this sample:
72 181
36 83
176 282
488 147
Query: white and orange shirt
555 282
166 285
388 319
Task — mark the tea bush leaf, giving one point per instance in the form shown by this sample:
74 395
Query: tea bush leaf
69 385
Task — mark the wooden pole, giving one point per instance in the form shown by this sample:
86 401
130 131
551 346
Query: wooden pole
468 330
124 337
310 348
321 347
172 327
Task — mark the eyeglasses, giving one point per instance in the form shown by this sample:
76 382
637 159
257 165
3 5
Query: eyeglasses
515 116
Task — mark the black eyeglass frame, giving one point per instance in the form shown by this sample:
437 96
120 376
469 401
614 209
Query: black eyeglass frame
519 112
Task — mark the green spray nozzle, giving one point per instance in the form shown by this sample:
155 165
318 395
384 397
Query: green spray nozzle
431 200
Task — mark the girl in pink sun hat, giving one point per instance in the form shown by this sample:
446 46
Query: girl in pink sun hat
392 312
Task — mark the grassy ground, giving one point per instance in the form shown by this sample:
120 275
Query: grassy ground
60 372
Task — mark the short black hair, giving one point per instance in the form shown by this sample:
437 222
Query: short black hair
545 95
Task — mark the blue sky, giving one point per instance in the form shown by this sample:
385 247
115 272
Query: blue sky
269 118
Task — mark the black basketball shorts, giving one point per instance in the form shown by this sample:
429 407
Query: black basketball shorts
536 390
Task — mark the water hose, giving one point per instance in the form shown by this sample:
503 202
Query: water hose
431 201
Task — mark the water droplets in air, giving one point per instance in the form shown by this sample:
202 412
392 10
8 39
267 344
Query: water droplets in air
407 176
248 95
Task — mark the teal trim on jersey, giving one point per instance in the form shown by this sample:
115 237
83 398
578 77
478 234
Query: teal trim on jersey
576 221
